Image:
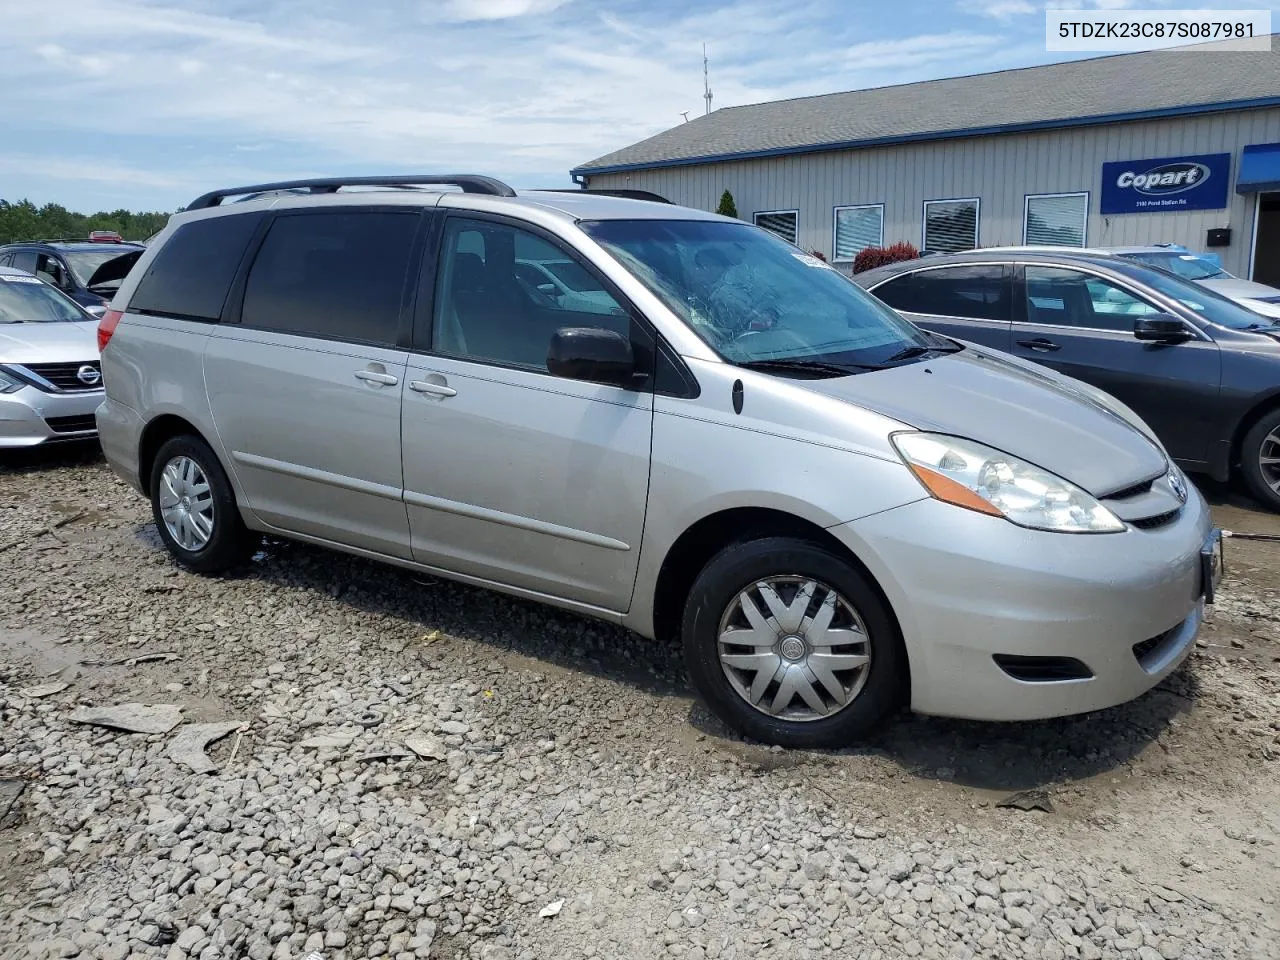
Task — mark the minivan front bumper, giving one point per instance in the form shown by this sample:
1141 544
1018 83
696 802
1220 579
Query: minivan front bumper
972 592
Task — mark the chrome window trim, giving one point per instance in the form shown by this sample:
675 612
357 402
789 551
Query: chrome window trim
944 266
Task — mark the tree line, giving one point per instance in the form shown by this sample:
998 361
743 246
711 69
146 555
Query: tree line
23 220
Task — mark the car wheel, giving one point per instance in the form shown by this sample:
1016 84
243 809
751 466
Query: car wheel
790 644
1260 459
195 509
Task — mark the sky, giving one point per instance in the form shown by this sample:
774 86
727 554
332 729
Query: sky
145 104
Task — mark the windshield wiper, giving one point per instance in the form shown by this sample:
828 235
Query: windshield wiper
916 350
800 365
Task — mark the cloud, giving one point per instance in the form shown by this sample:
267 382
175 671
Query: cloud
1000 9
465 10
518 88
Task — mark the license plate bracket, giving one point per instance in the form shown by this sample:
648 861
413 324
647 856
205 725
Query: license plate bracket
1212 564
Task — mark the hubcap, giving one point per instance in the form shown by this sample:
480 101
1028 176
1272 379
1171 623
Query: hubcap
186 503
1269 459
794 648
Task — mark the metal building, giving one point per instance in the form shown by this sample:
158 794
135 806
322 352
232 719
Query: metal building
1171 146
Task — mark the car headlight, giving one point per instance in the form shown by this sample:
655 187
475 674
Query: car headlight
9 383
977 477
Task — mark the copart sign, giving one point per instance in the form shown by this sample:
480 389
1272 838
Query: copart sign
1166 183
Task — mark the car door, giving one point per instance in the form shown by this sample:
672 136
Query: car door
513 475
305 384
1081 324
966 301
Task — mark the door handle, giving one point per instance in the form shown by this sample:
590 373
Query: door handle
1042 344
433 389
373 376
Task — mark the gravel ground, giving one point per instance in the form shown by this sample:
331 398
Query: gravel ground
413 769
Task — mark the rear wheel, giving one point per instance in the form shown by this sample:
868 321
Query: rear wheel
1260 459
195 508
791 644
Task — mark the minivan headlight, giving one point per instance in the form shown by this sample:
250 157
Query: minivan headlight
977 477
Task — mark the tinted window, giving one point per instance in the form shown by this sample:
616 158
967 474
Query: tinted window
1070 298
502 293
335 275
192 272
24 260
978 292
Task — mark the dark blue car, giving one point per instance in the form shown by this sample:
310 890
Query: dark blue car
1201 370
88 271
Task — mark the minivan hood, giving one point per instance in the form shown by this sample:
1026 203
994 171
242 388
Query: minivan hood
1235 288
1032 414
67 342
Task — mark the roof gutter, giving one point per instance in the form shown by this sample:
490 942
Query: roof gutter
1028 127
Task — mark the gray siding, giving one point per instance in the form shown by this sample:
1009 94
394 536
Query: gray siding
1000 170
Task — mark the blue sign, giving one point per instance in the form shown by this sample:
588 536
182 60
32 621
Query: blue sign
1166 184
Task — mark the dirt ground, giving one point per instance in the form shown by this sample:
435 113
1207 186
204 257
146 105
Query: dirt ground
1174 798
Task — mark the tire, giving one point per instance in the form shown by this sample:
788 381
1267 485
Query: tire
1263 442
788 565
212 538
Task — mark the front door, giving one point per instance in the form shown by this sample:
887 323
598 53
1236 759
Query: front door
513 475
305 389
1081 324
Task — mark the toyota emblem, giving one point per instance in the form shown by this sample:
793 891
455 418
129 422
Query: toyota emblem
89 375
1178 486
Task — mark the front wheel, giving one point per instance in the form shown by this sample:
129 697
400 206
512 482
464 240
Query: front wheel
1260 459
195 508
790 644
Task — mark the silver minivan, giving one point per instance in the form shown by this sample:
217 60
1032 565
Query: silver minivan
709 434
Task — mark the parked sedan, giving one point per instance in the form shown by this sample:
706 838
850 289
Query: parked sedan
50 380
1202 370
1258 297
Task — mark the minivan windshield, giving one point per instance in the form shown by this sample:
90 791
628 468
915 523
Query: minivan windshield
1186 265
1209 304
756 299
28 300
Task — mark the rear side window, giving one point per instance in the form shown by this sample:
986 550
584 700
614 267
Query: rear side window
191 274
340 276
976 293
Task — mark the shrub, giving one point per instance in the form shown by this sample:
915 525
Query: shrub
818 254
727 207
872 257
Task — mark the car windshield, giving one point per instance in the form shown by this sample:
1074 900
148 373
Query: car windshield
756 298
1208 303
28 300
1186 265
85 263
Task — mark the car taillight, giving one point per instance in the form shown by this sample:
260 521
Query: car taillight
107 326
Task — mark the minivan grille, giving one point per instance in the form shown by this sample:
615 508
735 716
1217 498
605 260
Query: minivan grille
65 376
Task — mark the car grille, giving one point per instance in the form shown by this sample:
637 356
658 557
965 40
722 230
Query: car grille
1159 520
64 375
78 424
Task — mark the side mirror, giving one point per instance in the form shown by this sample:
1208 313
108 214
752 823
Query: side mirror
1160 328
593 354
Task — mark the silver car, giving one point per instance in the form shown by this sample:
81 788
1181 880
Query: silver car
836 511
50 382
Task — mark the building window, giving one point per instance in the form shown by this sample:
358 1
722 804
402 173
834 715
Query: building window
785 223
1056 219
857 228
950 225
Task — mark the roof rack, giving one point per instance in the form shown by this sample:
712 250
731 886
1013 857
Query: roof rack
468 183
618 192
84 240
